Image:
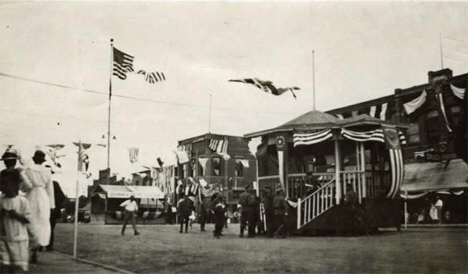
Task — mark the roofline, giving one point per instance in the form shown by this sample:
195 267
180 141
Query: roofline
205 136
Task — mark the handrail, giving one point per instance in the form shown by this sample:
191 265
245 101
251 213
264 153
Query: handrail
315 204
268 177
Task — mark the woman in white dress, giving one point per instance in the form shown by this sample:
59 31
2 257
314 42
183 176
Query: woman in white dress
39 191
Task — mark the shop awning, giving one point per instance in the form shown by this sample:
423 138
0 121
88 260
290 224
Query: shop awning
139 192
433 176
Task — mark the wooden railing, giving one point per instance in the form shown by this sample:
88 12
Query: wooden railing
315 204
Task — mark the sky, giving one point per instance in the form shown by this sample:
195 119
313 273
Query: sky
362 51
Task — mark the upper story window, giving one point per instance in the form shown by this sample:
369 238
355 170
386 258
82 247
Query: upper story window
432 125
216 166
239 168
413 134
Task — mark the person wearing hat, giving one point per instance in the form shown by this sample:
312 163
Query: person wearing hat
184 208
219 215
280 206
39 191
247 202
131 208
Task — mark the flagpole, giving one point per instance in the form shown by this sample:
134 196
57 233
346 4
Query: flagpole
313 80
75 238
441 52
109 113
209 117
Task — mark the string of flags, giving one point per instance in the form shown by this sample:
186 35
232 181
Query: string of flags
123 64
266 86
189 187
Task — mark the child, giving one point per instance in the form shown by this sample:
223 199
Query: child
14 217
191 219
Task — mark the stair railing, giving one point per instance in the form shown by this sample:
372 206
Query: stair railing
315 204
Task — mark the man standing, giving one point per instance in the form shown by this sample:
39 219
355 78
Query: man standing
351 202
280 205
246 201
185 208
55 213
131 208
269 211
219 215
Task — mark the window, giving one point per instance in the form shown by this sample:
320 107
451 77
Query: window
239 168
432 123
216 166
413 134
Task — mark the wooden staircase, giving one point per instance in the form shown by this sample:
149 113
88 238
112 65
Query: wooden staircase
317 203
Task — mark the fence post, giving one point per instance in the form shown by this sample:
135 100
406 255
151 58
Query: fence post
299 213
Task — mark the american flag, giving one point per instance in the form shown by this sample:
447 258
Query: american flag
152 77
123 63
267 86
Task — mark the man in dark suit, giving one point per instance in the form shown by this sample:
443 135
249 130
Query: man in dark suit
55 213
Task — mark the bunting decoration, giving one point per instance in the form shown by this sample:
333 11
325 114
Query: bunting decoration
372 135
458 92
267 86
220 146
414 104
152 77
309 137
206 189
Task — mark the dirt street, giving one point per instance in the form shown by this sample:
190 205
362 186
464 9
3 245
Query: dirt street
162 249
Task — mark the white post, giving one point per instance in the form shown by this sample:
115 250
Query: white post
281 170
406 209
363 165
298 213
75 238
337 172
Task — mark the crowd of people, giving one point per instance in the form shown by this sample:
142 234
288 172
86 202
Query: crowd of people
266 215
27 211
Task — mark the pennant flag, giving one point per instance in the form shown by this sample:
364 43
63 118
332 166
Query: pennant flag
152 77
309 137
442 108
123 63
267 86
133 154
413 105
83 159
220 146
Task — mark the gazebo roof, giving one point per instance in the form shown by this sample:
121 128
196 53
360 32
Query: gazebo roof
319 120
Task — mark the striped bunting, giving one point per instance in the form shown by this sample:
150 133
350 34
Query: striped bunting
396 161
152 77
219 146
372 135
123 63
309 137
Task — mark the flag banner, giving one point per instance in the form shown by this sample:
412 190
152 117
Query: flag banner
133 154
182 156
245 163
458 92
220 146
392 137
152 77
203 162
414 104
372 111
202 182
398 171
371 135
383 111
309 137
83 159
442 108
267 86
123 63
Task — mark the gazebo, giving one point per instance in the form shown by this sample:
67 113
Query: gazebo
314 156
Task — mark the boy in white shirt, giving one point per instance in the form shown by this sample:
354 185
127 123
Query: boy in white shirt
131 208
